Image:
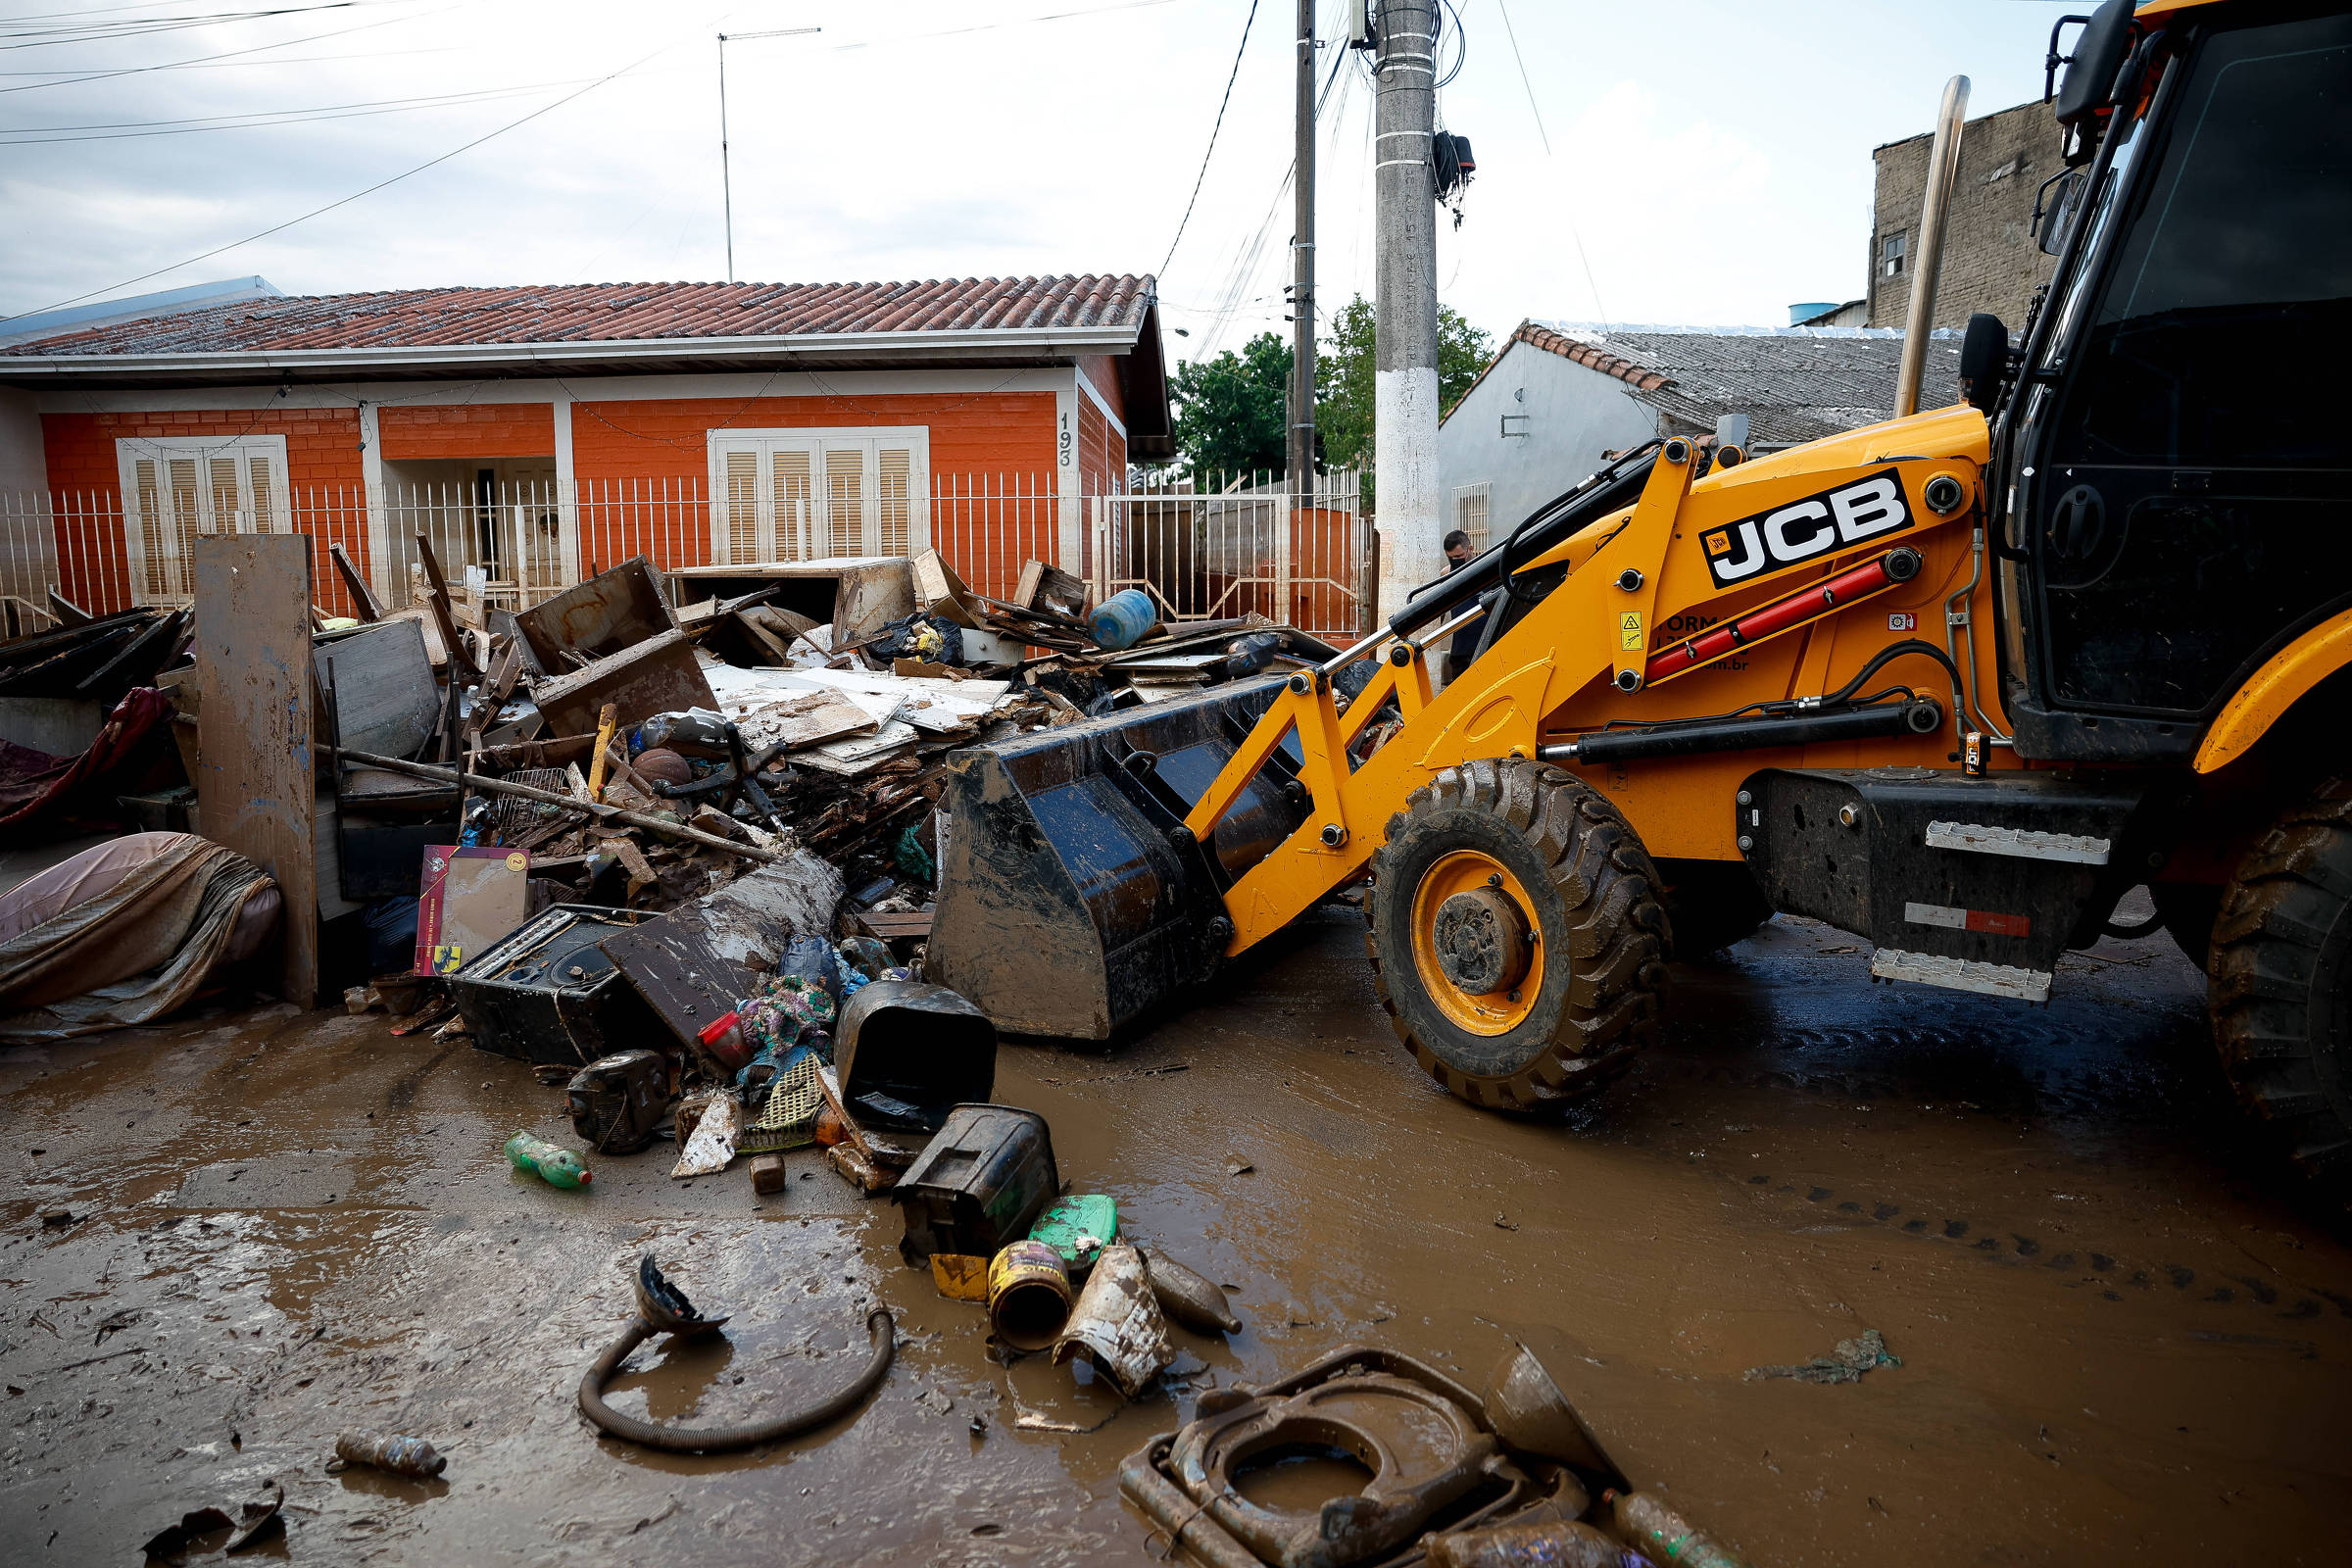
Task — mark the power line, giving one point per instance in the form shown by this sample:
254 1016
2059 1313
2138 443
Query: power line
232 54
1512 34
263 118
1251 256
240 65
346 201
142 26
1210 151
1575 237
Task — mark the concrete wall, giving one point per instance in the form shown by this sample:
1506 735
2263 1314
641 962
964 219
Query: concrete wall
24 464
1571 415
1989 258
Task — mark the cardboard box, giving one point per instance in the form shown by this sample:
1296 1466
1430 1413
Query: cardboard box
471 898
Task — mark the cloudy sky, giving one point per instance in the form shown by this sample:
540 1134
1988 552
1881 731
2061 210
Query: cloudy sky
1706 163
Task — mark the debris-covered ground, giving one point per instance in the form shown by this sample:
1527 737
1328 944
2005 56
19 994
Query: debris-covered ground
2112 1336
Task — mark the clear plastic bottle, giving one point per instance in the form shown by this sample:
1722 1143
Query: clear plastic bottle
1650 1526
1555 1544
553 1163
387 1450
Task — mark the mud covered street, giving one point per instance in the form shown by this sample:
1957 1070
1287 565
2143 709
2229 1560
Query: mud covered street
2119 1340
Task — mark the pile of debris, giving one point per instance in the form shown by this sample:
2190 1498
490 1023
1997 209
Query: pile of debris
643 741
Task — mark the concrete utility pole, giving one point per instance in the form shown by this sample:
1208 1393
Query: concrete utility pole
1301 443
1404 387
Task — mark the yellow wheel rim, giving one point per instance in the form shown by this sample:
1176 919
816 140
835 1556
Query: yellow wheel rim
1437 942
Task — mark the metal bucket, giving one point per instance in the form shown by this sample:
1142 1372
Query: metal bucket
1068 903
1028 1296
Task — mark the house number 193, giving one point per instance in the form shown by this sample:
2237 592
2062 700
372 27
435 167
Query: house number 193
1063 443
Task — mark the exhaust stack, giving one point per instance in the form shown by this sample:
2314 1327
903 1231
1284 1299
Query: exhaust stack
1943 168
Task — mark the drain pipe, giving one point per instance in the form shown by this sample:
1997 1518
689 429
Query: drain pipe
1943 168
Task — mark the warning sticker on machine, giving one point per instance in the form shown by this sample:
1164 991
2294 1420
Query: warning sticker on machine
1629 632
1787 535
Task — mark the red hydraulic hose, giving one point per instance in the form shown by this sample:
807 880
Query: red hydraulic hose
1810 604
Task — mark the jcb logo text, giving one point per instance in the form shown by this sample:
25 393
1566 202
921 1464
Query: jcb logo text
1804 530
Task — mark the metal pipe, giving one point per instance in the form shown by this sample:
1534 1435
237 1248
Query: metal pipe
1943 168
525 792
1921 716
1470 614
1351 653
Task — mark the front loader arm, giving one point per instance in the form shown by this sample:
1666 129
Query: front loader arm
1495 708
1754 536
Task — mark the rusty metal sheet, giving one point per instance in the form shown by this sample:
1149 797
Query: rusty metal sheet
254 777
656 676
610 611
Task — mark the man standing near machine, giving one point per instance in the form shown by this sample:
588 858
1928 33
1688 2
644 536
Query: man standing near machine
1464 646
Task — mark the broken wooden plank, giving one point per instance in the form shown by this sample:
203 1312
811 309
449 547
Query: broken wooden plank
256 783
66 612
915 924
444 615
136 664
1049 587
362 598
506 669
605 813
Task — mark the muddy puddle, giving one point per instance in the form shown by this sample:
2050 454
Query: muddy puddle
2120 1339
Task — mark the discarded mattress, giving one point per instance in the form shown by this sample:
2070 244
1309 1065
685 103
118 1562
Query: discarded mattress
125 933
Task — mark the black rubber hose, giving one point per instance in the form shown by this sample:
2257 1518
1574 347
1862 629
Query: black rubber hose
880 1328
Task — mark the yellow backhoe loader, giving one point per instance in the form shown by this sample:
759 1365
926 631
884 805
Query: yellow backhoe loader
1961 679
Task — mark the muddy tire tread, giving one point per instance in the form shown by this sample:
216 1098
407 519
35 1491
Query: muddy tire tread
2288 897
1617 928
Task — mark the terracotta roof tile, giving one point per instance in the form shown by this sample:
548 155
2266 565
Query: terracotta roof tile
587 313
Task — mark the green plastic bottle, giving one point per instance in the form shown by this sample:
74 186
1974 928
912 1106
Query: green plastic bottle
553 1163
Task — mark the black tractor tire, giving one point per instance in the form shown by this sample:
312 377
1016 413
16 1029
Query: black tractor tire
2280 986
1595 905
1711 904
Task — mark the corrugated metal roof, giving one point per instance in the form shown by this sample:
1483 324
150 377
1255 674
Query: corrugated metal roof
1795 384
592 312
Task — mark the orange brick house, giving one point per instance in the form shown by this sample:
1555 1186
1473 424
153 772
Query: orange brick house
539 433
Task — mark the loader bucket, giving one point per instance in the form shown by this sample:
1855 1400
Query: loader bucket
1067 904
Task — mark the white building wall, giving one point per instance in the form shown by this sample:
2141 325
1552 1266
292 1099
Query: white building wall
1570 414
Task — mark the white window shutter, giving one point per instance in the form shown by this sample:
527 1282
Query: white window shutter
147 488
895 500
224 513
844 499
176 489
796 524
741 505
265 513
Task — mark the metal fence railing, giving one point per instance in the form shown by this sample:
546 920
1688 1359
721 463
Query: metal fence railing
1201 547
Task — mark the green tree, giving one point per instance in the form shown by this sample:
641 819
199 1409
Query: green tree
1230 410
1343 380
